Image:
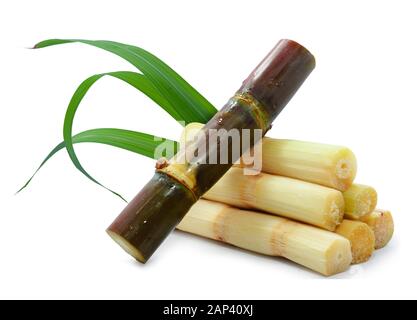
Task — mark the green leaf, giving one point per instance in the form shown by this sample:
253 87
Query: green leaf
188 102
159 82
137 142
135 79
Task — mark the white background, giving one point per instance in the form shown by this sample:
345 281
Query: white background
362 94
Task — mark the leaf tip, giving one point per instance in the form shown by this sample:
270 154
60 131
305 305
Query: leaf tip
36 46
18 191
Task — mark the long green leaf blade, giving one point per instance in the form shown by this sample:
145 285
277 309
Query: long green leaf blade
135 79
137 142
159 82
189 102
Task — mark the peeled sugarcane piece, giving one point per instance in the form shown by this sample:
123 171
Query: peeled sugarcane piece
179 183
382 224
287 197
360 200
322 251
361 237
328 165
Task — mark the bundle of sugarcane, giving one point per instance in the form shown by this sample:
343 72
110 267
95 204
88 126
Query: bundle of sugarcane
179 183
312 212
317 189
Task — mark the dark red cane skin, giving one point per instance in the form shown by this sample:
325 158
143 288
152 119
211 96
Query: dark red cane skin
141 222
277 78
163 202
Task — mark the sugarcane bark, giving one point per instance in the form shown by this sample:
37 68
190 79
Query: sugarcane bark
144 223
155 211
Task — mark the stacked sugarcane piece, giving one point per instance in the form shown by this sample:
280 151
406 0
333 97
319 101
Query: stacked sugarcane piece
303 206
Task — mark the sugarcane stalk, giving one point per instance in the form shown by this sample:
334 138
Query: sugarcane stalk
319 250
178 184
361 237
382 224
360 200
328 165
295 199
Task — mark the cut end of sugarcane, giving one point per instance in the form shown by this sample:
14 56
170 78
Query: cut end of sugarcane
382 224
362 251
360 200
339 257
336 213
126 246
345 169
361 237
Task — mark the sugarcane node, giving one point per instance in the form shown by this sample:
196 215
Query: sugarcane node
247 191
253 107
280 234
219 225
